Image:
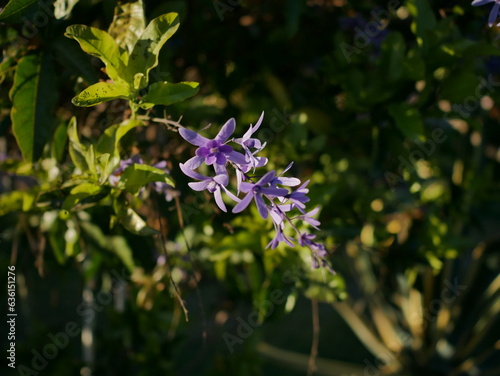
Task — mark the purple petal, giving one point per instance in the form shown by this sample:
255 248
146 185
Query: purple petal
199 185
231 196
193 163
193 137
493 14
246 187
237 158
211 159
161 165
239 179
113 180
243 203
218 200
261 161
225 149
275 192
191 173
266 178
220 169
222 179
136 159
289 182
203 152
313 222
220 158
276 216
477 3
259 122
226 131
261 206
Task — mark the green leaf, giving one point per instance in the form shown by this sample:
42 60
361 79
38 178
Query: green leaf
11 202
144 56
128 25
50 199
82 156
77 150
71 56
59 142
121 248
423 15
109 146
78 193
99 93
293 11
130 219
408 120
57 242
15 9
393 51
166 93
138 175
33 96
110 139
63 8
100 44
460 85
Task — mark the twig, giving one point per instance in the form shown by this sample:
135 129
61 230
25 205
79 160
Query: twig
311 368
171 124
176 290
197 288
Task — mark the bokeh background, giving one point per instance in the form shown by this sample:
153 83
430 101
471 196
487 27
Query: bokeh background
390 108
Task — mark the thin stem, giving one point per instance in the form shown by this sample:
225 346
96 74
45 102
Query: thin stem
171 124
315 341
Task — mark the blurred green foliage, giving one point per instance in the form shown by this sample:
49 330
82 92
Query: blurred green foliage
389 107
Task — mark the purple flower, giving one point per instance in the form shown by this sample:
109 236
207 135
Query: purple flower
309 219
298 197
279 237
115 175
494 11
212 152
162 187
256 191
214 185
247 143
318 252
289 182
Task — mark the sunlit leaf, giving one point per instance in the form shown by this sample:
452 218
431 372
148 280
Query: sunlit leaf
130 219
166 93
138 175
144 56
99 93
62 8
100 44
10 202
80 192
33 95
128 24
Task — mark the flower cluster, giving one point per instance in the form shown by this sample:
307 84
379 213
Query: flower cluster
274 195
495 11
160 187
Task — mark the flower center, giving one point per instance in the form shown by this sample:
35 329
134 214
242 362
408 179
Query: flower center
256 189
